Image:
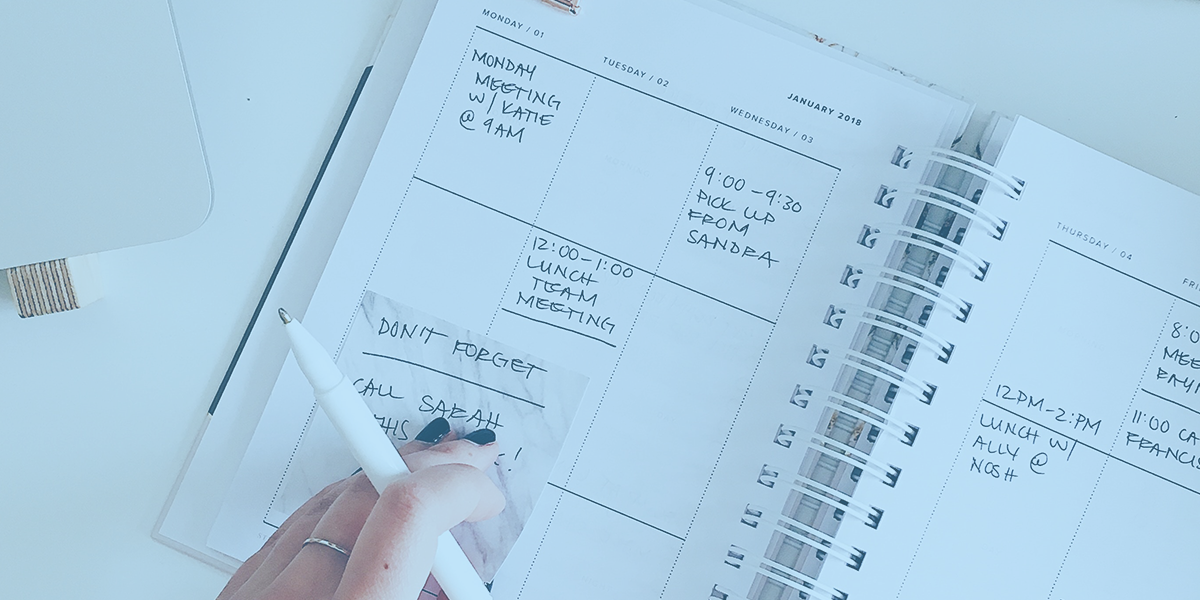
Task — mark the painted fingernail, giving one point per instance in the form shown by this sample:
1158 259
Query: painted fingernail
481 437
434 431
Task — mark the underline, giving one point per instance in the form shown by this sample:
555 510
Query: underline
453 376
560 327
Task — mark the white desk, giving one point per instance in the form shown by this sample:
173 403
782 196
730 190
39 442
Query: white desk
102 404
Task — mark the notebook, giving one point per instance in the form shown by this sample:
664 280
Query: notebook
840 339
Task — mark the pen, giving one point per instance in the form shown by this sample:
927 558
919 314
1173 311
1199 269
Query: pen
373 451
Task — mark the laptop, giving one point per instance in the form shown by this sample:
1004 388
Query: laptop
99 144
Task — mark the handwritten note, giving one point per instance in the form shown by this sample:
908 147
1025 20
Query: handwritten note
411 368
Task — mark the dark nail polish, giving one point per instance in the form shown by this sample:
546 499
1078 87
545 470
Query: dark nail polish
481 437
434 431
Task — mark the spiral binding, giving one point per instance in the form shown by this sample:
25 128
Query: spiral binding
841 503
872 235
753 517
947 200
907 433
888 474
1010 186
817 357
794 541
909 283
835 316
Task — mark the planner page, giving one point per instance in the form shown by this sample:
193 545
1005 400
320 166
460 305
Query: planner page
1060 457
658 196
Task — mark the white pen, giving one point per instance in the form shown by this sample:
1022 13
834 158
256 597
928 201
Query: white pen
373 451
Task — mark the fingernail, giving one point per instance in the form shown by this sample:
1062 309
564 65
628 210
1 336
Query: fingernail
481 437
434 431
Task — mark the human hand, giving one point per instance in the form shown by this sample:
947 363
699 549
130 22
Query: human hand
390 539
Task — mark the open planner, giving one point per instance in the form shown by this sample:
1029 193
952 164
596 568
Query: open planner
756 319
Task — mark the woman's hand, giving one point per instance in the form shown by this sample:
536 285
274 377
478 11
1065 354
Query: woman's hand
390 538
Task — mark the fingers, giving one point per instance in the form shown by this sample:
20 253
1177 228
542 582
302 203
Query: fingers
257 573
433 432
437 445
462 452
316 569
394 553
285 568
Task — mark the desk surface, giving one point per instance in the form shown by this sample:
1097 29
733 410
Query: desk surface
104 403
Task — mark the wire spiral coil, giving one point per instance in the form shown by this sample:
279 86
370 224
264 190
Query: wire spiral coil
782 546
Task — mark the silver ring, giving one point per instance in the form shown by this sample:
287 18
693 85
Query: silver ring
327 544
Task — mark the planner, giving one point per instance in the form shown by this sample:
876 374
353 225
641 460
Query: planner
840 338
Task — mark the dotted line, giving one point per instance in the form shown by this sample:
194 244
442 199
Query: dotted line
404 197
750 383
636 316
1104 465
536 553
296 448
588 433
1153 353
837 175
287 467
1078 526
937 503
604 394
686 200
541 205
1020 310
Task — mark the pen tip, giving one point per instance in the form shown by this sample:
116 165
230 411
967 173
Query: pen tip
284 316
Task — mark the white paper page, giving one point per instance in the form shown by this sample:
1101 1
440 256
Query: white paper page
1061 458
650 194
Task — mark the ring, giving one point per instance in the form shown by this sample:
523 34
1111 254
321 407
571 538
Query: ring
327 544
